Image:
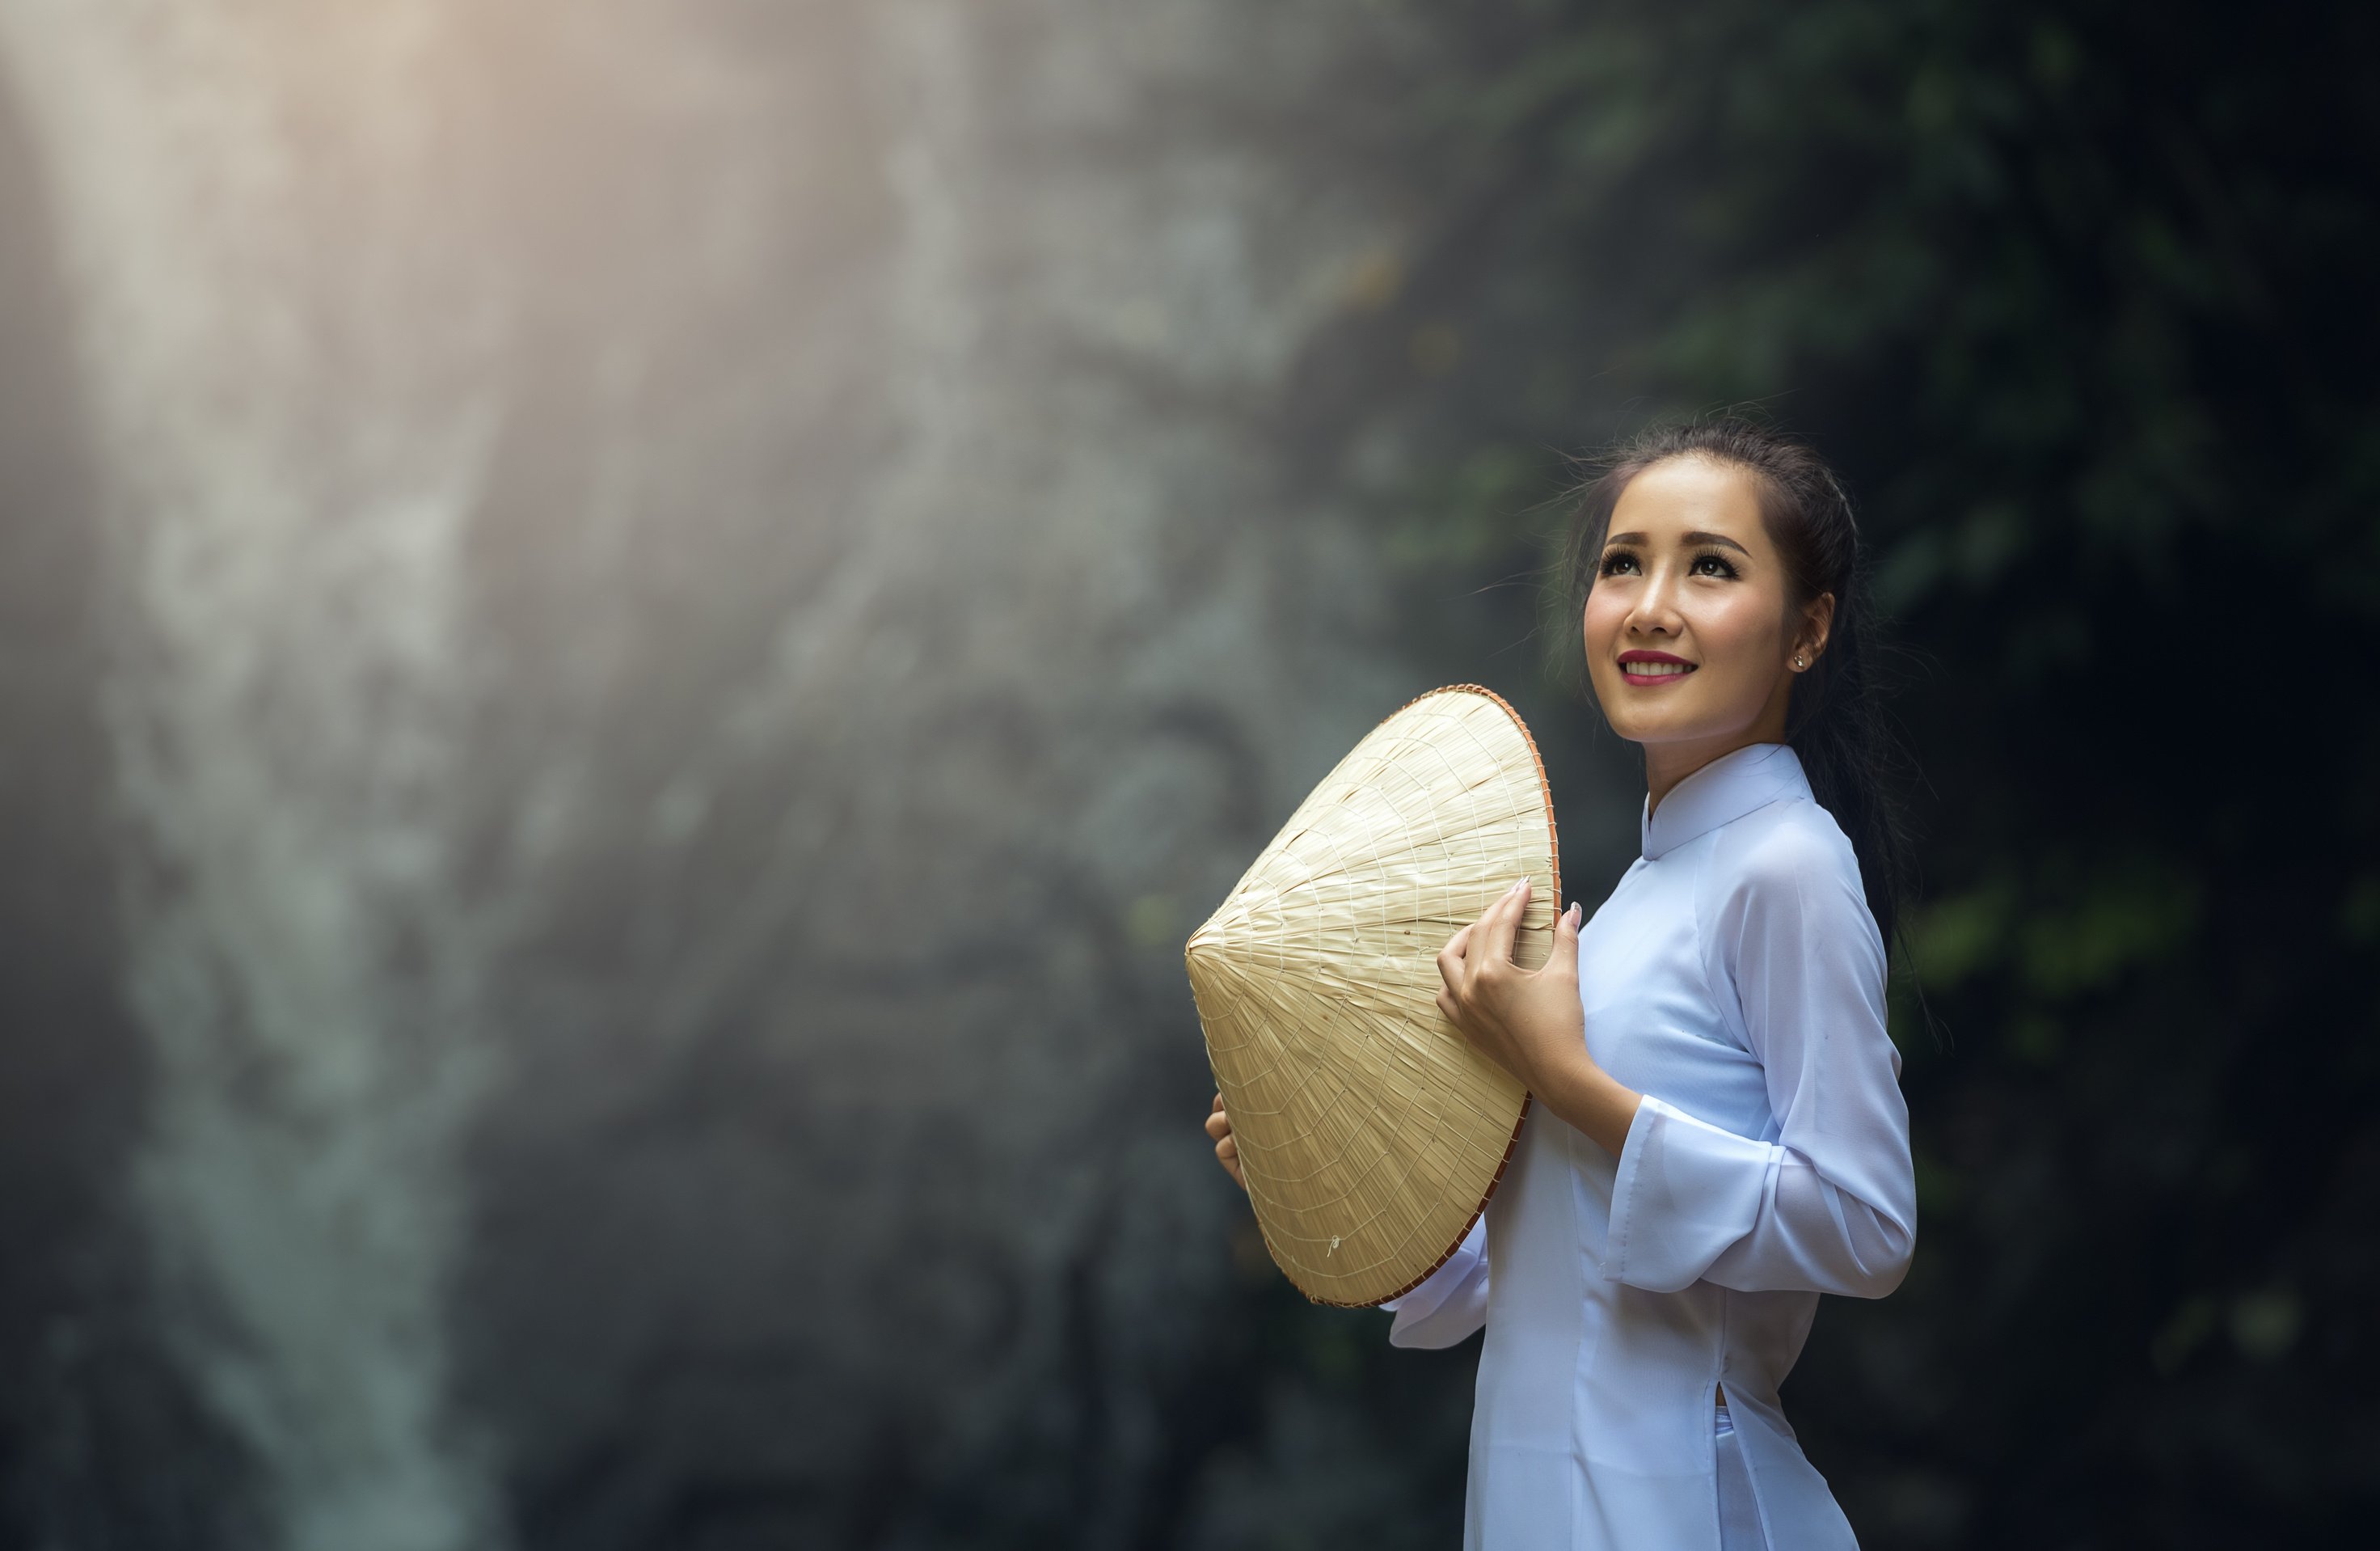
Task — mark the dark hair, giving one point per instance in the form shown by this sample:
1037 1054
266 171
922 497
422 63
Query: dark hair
1836 722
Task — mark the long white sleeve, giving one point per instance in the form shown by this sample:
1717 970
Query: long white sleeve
1451 1302
1830 1205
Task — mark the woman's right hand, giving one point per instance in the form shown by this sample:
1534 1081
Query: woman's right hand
1227 1146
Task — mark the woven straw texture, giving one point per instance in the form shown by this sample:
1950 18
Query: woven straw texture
1371 1131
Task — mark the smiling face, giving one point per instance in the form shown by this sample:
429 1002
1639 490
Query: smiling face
1691 633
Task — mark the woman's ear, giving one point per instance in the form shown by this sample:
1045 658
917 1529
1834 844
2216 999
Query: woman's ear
1817 620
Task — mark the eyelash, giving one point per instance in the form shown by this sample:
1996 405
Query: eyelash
1726 571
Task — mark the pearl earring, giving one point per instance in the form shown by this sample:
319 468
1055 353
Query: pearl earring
1797 664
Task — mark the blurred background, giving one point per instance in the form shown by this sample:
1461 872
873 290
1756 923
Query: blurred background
631 633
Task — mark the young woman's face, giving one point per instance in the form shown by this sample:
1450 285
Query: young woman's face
1690 638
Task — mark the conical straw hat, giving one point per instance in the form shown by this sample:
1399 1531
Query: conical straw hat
1371 1131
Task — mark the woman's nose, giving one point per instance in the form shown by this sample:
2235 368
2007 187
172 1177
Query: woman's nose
1656 611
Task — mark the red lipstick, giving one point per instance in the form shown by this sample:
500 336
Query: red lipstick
1651 669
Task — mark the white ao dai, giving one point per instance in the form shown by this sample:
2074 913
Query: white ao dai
1735 977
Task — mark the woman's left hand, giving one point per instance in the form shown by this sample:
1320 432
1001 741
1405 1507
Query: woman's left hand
1531 1022
1525 1020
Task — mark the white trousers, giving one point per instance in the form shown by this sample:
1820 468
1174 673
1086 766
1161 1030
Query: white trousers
1738 1510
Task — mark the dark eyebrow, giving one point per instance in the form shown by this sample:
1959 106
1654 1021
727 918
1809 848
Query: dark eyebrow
1696 537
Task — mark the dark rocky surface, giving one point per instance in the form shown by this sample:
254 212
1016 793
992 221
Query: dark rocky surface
637 633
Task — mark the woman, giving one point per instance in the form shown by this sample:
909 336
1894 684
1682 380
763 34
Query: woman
1719 1134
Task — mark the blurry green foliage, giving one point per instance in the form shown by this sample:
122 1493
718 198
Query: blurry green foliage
2059 942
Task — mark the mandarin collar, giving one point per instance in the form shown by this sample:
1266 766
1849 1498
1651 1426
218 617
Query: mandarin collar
1725 789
